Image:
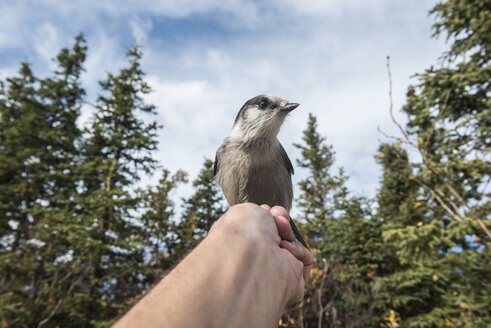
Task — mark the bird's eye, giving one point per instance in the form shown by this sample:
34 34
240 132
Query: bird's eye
263 104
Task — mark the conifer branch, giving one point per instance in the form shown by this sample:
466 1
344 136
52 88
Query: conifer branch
442 108
455 213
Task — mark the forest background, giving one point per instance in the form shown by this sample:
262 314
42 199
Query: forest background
81 237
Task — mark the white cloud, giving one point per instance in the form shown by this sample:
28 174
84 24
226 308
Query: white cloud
169 8
105 54
140 28
193 114
47 43
326 8
327 55
8 71
8 37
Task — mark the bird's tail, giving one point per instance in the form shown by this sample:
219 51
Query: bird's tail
298 235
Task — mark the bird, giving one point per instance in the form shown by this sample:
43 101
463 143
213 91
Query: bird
251 165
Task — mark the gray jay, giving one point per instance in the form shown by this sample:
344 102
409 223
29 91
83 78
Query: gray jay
251 165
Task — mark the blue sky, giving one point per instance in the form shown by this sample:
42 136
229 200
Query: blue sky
204 59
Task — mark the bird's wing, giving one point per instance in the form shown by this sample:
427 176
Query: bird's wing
215 166
286 160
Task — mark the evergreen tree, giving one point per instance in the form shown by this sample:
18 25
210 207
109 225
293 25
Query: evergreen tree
117 149
21 124
398 193
37 152
445 274
74 252
316 190
405 288
354 245
347 241
157 220
201 210
207 201
315 203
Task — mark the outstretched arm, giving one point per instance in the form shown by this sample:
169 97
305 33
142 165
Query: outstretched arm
242 274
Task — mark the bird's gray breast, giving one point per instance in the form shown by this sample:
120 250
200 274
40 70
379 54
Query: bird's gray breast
255 174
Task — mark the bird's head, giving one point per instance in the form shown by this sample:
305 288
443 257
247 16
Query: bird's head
261 118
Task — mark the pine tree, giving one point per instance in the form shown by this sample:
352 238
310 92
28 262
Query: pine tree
21 123
447 251
116 151
37 153
22 120
315 203
406 288
207 201
157 220
352 255
316 189
347 241
398 194
201 210
74 249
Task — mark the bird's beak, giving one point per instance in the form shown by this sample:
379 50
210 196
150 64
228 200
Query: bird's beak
289 107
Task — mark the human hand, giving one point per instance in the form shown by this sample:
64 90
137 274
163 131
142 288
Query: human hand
242 274
291 244
251 223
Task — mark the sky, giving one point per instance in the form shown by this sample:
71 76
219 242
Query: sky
205 58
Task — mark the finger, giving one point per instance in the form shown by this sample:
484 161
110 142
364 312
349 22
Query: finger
301 253
284 228
297 284
279 211
266 207
298 294
306 270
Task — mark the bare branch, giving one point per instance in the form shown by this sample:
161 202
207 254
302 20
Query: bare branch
452 203
388 136
444 178
483 227
445 181
45 320
60 301
391 103
439 200
403 160
301 316
319 298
